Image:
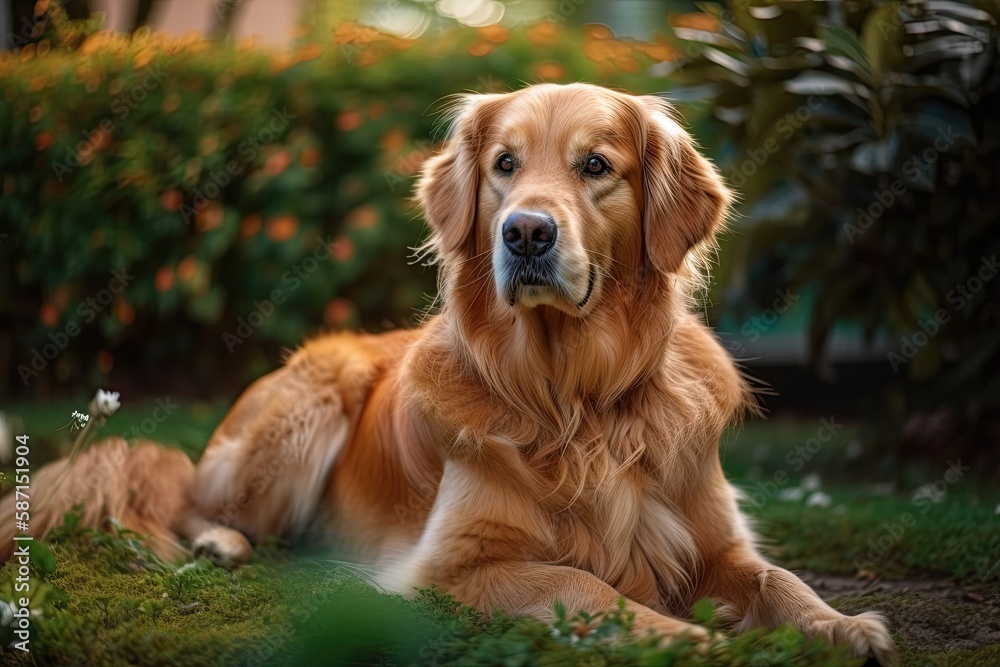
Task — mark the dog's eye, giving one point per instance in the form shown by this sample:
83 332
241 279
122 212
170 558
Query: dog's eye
595 165
505 163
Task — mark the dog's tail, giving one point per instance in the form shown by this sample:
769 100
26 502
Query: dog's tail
144 487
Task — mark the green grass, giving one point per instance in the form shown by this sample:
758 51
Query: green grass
105 600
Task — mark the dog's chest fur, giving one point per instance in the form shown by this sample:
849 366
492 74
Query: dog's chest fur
617 521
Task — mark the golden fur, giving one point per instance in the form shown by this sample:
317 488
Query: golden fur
531 443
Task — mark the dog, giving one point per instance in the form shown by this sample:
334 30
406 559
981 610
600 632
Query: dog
550 435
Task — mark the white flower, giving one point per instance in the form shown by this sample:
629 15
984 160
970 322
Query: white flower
105 403
792 495
818 499
811 482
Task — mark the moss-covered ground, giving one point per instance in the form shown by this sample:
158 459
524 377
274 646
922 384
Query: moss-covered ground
921 544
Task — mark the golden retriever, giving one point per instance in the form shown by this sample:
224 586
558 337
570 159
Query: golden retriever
551 435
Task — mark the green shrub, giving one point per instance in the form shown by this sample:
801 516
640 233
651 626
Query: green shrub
864 138
219 178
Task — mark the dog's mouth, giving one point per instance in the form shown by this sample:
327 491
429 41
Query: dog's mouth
590 288
530 281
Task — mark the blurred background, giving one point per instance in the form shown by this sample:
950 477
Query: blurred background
190 188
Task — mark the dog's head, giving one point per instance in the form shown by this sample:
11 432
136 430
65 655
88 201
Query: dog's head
566 189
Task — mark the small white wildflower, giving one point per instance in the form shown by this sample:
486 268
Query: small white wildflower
79 420
818 499
573 639
105 403
792 495
811 482
931 492
555 632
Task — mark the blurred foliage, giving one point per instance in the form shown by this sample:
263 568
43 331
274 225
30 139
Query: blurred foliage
864 138
218 178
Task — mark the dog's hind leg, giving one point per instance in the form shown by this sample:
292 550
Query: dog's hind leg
266 468
143 487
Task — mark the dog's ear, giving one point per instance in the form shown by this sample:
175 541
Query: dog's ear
685 200
449 182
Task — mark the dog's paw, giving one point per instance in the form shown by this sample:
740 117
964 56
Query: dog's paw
865 633
225 547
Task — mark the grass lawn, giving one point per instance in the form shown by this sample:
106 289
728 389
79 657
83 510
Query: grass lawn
928 561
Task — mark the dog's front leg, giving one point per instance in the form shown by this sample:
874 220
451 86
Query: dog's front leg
534 589
487 542
755 593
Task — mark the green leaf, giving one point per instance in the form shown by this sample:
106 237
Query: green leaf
42 558
881 31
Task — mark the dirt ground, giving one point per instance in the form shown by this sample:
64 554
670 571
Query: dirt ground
933 617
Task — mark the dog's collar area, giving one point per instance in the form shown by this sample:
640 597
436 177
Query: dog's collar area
590 288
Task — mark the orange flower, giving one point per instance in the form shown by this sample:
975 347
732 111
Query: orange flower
309 157
309 52
49 315
282 228
658 51
376 110
494 33
342 249
105 361
348 121
125 312
696 21
337 311
187 268
171 200
598 31
480 49
209 217
43 140
250 225
393 140
363 217
164 279
277 162
549 70
543 34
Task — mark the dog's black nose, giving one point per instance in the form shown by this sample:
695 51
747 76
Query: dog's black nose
529 234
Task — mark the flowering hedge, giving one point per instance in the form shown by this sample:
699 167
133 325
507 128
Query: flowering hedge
187 208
